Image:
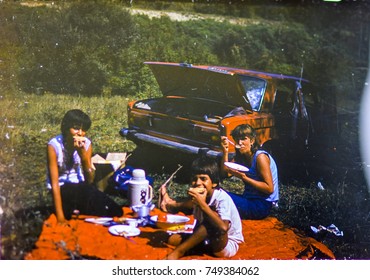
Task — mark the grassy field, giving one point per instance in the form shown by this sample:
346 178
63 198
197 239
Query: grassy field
28 121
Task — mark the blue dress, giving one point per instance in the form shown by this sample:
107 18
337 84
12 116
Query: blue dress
253 204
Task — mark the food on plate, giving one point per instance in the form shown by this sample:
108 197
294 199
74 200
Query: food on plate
162 217
173 222
119 220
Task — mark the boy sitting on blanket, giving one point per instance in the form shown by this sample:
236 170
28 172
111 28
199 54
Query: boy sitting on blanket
218 220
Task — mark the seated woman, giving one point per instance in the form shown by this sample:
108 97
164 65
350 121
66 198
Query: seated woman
218 220
261 185
70 174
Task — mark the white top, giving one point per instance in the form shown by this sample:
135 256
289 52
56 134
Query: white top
222 203
67 174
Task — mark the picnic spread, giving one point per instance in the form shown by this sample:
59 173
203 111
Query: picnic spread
142 232
117 239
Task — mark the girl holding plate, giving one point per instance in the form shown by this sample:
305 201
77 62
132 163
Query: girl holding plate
260 178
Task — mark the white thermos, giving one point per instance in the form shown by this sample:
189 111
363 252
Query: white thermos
139 190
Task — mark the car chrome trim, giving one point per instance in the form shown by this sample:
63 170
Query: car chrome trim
134 135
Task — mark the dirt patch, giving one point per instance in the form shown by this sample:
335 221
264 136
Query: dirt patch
264 240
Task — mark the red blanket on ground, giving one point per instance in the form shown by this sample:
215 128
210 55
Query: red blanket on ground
264 240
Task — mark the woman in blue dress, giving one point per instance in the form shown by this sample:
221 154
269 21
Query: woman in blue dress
261 185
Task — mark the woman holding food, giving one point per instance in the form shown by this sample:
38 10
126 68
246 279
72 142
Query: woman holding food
70 173
261 187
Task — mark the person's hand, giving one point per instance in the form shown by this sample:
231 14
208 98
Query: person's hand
235 172
224 143
79 141
198 195
79 144
164 200
163 189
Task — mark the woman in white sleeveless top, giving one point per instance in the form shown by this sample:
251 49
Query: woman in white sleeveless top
70 174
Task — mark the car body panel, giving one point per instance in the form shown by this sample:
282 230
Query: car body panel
199 82
202 103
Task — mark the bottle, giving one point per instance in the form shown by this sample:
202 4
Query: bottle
139 190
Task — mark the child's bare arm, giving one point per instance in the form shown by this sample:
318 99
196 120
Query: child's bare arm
213 218
172 206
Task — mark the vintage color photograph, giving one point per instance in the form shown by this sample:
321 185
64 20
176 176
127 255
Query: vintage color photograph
184 130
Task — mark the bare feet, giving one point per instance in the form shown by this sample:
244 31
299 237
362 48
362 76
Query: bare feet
174 240
174 255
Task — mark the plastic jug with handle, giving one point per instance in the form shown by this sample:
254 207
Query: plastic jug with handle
139 190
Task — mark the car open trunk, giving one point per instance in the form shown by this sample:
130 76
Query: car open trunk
201 103
187 120
201 82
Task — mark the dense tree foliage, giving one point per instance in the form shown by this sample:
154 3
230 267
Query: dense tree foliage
98 47
74 49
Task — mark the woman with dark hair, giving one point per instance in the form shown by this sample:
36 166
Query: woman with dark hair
70 174
261 186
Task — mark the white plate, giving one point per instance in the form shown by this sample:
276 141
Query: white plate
236 166
173 222
172 219
124 230
99 221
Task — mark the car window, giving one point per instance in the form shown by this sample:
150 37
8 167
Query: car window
254 90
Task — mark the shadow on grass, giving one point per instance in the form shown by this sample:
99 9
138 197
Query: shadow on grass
20 230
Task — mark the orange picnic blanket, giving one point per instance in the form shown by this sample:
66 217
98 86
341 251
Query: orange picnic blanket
265 239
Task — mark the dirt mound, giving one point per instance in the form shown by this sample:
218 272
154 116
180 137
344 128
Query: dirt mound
264 240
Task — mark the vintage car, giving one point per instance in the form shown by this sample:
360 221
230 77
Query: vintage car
202 103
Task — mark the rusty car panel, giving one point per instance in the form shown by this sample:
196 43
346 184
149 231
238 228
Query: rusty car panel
201 103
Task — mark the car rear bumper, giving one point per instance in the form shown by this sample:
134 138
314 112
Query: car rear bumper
165 143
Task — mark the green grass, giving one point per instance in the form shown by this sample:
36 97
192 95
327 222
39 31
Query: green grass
27 122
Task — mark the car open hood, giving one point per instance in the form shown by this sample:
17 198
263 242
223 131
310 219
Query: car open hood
206 82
